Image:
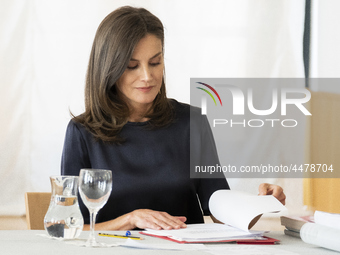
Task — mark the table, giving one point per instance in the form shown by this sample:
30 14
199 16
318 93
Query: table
29 242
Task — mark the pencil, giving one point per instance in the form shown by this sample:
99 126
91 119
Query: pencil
120 236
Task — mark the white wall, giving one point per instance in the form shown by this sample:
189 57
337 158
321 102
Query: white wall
325 46
44 51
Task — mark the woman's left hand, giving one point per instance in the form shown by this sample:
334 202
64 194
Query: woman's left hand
272 189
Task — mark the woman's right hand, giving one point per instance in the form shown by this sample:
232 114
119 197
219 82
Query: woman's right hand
145 218
142 218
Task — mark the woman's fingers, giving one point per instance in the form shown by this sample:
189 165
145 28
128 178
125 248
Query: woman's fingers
144 218
169 221
272 189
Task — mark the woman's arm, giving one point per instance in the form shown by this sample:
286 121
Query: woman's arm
142 218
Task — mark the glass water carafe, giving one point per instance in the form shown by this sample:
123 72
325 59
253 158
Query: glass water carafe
63 218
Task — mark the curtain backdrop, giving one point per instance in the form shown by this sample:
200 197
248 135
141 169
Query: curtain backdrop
44 51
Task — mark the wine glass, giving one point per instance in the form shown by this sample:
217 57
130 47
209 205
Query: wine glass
95 188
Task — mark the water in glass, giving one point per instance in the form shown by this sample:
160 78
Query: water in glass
63 218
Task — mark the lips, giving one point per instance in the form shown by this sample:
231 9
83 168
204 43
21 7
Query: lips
145 89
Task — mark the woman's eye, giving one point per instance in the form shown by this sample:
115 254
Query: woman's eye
132 67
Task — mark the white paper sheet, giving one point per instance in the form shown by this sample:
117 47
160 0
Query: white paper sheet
168 246
238 209
327 219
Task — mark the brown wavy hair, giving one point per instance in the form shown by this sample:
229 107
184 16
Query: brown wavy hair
115 40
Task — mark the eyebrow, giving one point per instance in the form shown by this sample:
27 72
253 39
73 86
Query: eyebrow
156 55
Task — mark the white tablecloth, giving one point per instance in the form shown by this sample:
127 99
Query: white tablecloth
31 242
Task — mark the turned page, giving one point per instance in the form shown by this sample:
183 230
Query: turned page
241 210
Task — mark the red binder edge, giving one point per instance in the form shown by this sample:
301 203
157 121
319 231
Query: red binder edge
268 241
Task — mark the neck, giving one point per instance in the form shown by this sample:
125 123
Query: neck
138 119
138 113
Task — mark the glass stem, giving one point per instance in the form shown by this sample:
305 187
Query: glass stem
93 215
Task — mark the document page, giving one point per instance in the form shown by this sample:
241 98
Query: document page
241 210
206 232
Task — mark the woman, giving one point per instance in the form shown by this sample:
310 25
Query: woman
130 127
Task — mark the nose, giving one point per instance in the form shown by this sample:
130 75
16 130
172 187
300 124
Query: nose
146 74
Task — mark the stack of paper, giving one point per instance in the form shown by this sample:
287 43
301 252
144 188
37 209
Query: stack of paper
201 233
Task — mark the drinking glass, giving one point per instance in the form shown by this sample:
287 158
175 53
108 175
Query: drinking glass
95 188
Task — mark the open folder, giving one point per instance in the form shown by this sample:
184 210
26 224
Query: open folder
238 211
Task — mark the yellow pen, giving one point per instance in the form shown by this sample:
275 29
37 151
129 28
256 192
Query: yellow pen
121 236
